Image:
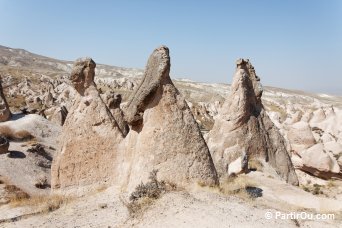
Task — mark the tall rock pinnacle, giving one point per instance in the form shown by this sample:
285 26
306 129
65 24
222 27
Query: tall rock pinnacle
244 129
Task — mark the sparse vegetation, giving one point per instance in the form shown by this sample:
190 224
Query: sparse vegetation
255 164
43 203
15 194
15 135
42 183
40 150
315 189
272 107
331 184
103 205
145 194
238 185
101 188
306 188
296 222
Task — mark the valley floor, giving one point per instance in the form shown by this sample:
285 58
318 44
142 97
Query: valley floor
196 207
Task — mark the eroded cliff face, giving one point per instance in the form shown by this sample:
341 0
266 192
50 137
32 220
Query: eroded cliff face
243 129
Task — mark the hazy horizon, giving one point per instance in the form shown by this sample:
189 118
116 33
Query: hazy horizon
292 44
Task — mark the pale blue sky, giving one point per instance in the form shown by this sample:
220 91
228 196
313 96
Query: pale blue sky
292 43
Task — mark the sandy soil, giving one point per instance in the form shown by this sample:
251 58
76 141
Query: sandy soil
195 207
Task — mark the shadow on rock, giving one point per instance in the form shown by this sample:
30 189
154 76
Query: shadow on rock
17 116
254 192
16 154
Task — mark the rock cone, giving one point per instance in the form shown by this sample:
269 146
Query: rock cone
164 134
90 136
243 128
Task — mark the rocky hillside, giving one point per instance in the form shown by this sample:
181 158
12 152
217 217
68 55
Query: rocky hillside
36 82
80 127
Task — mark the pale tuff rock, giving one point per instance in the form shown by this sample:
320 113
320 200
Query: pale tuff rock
318 116
318 162
334 147
48 99
83 73
157 70
242 124
87 152
57 115
164 134
113 102
314 140
118 83
203 113
325 124
339 161
315 157
300 136
317 145
30 126
240 165
5 113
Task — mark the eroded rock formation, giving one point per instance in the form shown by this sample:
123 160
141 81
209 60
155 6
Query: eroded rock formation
164 134
87 150
242 126
83 73
113 102
316 145
5 113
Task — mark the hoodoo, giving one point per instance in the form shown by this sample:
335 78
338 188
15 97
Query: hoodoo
87 150
243 131
165 135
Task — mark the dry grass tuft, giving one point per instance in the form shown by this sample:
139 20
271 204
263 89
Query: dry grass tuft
331 184
255 164
238 185
145 194
15 135
136 208
42 183
101 188
315 189
14 194
273 107
39 149
43 203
